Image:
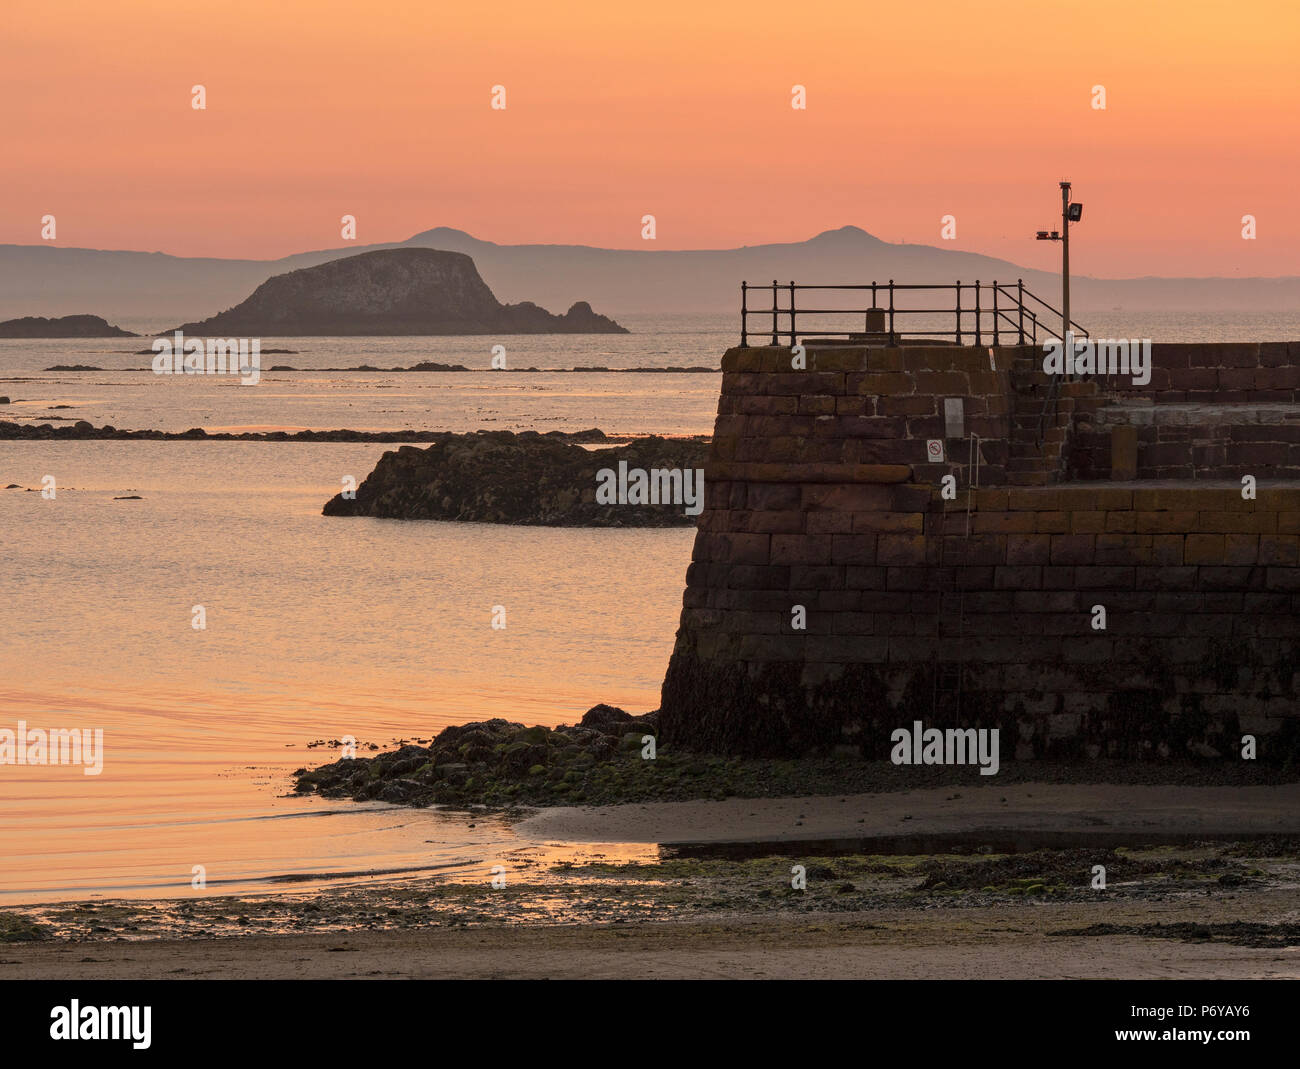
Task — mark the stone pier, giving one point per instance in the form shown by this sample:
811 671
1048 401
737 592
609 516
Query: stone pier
1112 587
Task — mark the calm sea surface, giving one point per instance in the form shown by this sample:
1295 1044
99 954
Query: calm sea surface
316 627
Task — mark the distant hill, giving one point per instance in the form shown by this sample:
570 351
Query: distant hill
80 326
153 289
390 292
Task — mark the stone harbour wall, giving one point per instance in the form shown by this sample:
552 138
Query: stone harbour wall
836 592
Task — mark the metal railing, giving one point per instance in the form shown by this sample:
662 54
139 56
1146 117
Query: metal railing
979 313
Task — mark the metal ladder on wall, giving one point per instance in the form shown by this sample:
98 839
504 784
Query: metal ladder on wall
947 676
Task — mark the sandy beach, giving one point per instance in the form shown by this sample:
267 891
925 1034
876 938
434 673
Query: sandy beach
1211 894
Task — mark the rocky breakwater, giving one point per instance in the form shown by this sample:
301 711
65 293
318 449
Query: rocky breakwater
498 762
527 478
391 292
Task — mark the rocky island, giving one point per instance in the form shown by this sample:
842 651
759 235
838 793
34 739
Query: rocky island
527 478
78 326
391 292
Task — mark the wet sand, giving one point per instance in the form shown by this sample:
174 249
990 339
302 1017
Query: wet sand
999 943
1186 909
1116 811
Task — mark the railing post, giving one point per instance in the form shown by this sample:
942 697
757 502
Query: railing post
774 286
1020 300
744 315
891 312
958 332
995 313
977 311
793 338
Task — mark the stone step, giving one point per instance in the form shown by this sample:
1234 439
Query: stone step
1028 478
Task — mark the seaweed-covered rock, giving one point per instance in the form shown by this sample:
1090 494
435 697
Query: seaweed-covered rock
528 478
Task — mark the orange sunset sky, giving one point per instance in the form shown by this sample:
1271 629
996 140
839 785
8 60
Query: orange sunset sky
614 110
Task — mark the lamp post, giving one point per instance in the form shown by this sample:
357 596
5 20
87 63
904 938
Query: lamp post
1070 213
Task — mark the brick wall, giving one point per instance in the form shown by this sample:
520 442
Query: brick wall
972 612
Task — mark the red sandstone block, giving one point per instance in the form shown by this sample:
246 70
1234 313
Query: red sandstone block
881 451
816 577
1274 354
1279 549
854 623
855 406
767 406
1058 577
1073 548
1003 522
1085 522
1288 523
1237 378
1033 499
847 649
1262 454
754 576
1165 522
1121 522
720 520
828 522
990 500
891 427
837 359
928 427
801 549
901 549
886 603
1098 577
973 577
1234 577
905 578
1277 378
1018 578
1179 602
1077 498
742 382
1041 601
771 522
800 383
1240 548
1002 601
851 498
1166 578
1267 604
1088 648
910 498
742 548
1052 522
942 383
857 578
884 360
1024 549
1204 549
878 384
980 550
853 549
781 426
781 496
889 626
765 648
815 405
889 522
907 405
1173 499
1124 549
1191 378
